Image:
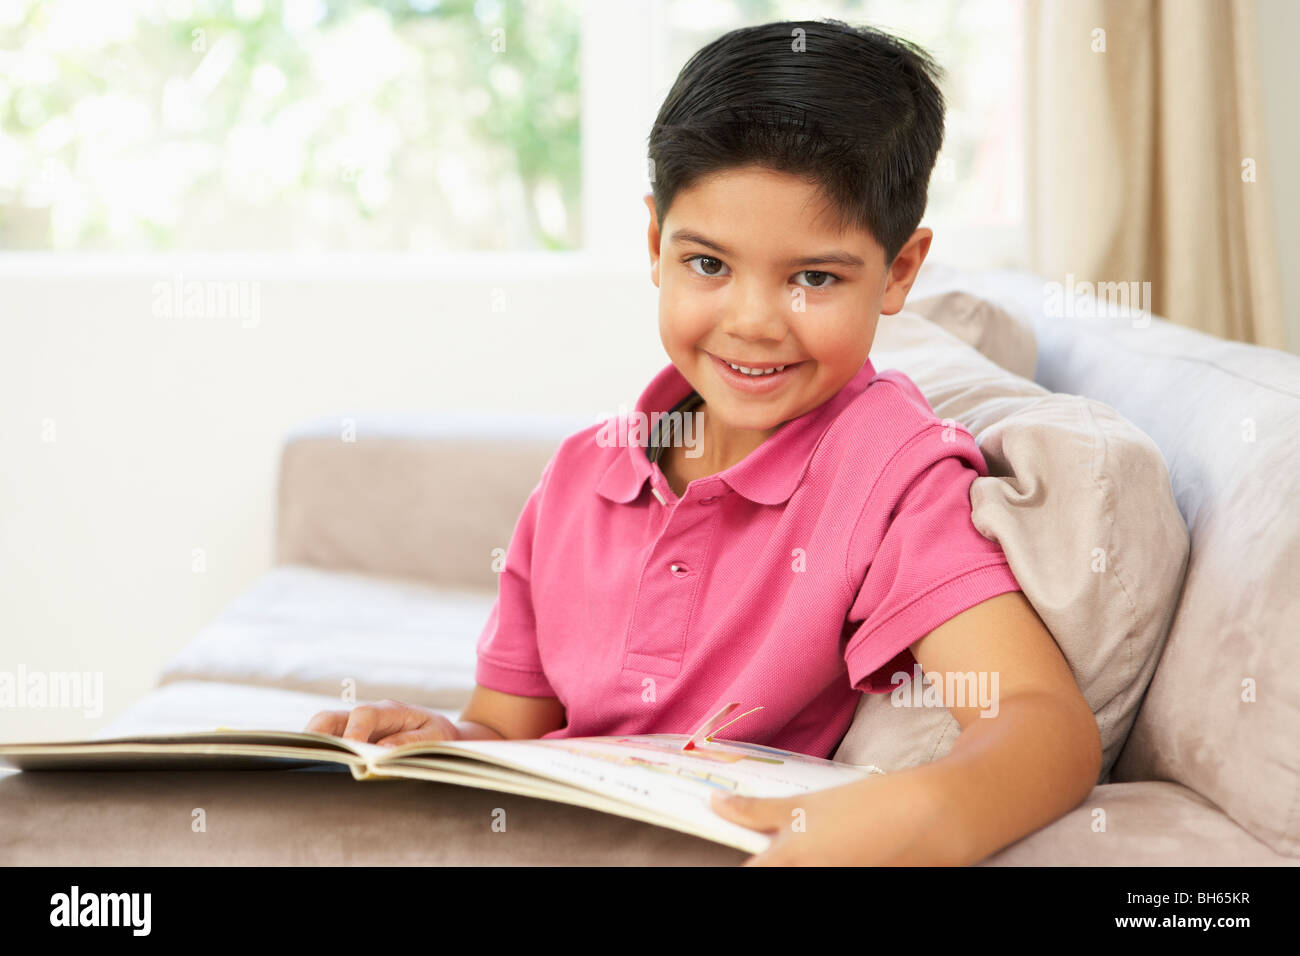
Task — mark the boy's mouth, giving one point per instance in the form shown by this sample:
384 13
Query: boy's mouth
758 378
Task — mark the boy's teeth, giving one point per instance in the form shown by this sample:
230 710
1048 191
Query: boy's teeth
757 372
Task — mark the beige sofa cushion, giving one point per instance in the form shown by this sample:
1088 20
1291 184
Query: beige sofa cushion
427 498
318 631
1222 713
280 818
1080 501
325 818
983 325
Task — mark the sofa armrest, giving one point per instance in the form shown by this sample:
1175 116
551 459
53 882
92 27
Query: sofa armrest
423 497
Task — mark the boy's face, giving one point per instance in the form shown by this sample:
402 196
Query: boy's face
749 298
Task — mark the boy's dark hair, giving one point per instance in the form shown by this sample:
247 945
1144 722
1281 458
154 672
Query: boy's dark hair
852 109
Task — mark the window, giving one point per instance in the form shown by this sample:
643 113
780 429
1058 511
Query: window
422 126
289 125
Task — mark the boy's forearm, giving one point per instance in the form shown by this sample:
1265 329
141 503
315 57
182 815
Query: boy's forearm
1006 777
472 730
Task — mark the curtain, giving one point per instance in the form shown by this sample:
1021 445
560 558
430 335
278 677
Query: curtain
1147 162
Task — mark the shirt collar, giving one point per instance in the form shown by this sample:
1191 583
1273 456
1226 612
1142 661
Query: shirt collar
768 475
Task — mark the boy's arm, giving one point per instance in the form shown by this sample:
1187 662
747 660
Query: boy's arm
1038 753
1005 777
493 715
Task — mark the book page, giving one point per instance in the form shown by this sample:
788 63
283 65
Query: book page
653 772
202 749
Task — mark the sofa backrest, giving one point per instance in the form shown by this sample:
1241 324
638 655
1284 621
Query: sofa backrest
1222 713
424 497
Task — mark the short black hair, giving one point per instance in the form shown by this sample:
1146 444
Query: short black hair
852 109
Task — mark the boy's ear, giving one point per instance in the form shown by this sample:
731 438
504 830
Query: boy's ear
902 271
652 237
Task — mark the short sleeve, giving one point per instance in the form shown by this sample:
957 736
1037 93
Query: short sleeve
508 656
931 564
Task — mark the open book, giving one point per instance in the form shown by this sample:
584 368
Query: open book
662 779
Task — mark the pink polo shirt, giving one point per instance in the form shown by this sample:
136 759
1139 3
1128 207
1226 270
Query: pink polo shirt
795 579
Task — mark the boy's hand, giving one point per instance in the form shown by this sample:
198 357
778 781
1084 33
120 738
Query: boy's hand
878 821
386 723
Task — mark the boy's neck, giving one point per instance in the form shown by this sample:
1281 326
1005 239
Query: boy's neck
718 452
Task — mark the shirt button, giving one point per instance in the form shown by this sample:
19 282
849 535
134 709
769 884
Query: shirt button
709 500
679 569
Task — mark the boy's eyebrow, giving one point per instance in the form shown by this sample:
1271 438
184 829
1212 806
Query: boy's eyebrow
836 257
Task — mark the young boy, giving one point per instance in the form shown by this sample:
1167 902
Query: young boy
817 539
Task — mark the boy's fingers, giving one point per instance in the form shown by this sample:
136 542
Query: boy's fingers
329 722
366 721
362 723
370 721
420 727
409 736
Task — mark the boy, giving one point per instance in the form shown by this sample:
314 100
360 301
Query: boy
820 541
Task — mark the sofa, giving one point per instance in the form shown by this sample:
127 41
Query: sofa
390 530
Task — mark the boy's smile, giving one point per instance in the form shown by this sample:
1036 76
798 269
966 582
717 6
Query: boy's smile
751 272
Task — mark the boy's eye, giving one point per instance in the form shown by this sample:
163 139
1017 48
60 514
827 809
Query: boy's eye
822 277
698 258
817 280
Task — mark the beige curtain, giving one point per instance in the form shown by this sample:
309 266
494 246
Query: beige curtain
1147 159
